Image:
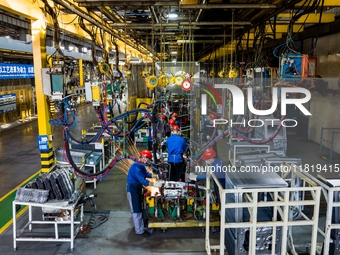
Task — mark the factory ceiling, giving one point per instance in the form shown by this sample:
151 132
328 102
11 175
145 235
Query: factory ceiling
199 30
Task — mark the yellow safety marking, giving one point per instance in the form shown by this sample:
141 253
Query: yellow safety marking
18 215
181 224
20 185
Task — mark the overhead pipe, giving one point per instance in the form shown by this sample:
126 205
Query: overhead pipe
176 29
227 6
95 22
198 15
109 15
144 25
148 33
83 3
199 12
152 10
184 23
199 41
210 35
194 35
115 1
216 23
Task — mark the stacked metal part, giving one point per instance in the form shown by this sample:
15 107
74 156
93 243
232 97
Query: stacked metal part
32 195
39 196
237 239
64 182
23 195
56 185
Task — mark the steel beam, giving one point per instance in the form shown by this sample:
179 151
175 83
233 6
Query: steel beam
199 41
284 28
125 3
227 6
327 3
115 1
310 32
178 24
311 18
251 36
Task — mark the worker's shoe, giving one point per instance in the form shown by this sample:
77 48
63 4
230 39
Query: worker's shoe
150 231
144 234
215 230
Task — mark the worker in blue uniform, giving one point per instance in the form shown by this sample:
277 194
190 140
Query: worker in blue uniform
176 147
136 179
215 164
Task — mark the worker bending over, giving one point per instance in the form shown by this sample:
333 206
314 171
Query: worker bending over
176 147
136 179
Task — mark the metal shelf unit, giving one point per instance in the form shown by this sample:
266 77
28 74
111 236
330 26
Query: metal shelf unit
75 225
280 203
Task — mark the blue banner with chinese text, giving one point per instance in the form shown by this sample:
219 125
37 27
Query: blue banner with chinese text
16 71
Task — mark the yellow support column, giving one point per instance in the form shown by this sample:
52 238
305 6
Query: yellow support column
81 76
39 60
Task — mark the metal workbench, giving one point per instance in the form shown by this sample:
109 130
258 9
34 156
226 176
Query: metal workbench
48 237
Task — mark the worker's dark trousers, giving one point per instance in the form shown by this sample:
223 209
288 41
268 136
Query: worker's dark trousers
137 218
177 171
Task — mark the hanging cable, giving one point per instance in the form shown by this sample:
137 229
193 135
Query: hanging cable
232 38
93 37
58 52
318 31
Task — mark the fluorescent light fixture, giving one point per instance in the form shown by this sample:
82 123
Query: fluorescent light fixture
84 49
173 53
172 15
174 61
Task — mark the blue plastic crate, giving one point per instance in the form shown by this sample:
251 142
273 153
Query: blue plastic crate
94 158
291 67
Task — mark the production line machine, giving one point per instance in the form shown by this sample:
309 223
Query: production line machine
179 204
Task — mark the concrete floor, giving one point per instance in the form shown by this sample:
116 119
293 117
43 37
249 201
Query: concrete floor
20 159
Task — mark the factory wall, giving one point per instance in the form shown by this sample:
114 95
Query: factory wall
327 52
325 113
326 109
